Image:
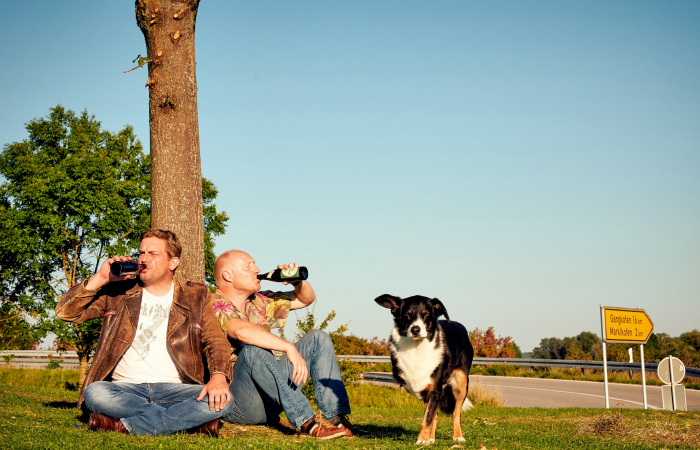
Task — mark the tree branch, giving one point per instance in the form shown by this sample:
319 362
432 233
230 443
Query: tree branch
140 65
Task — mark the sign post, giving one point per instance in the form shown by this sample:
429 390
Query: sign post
644 374
624 325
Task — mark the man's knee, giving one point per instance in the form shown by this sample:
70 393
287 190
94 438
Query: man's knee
319 336
252 352
98 394
227 409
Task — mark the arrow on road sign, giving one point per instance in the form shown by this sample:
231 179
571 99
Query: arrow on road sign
626 325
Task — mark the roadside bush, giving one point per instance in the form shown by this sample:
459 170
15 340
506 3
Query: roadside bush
487 345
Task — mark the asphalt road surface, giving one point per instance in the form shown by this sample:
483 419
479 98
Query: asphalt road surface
547 393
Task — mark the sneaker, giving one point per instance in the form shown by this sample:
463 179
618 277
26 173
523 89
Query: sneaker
320 428
342 421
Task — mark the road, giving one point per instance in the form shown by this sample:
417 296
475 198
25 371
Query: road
548 393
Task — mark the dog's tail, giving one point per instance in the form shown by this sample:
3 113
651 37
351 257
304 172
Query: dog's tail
467 405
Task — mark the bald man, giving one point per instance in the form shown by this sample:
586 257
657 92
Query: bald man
261 386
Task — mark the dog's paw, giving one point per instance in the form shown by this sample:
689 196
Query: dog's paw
431 441
458 439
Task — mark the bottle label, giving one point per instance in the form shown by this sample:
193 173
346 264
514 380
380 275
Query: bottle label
290 273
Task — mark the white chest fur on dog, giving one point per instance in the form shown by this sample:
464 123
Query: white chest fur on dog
417 360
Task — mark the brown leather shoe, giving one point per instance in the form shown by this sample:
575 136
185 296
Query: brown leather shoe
210 428
98 422
342 421
320 428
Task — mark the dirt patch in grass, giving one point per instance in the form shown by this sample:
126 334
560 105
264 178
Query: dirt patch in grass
608 424
667 429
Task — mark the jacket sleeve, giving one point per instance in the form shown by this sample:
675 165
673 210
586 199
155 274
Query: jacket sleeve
216 347
80 304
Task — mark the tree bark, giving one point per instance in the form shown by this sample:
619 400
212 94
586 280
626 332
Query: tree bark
176 173
82 370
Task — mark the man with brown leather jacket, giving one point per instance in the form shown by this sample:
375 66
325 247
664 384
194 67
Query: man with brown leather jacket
148 373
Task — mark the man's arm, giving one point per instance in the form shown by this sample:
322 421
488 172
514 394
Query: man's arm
84 301
252 334
302 296
218 354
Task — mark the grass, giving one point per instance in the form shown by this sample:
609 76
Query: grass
44 417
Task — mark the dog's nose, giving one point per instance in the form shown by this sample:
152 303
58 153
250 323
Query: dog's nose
415 330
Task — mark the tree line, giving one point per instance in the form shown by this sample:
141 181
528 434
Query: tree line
588 346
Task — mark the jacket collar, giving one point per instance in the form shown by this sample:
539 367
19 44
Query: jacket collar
179 296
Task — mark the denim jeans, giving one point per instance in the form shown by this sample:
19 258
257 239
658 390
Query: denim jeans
152 408
262 387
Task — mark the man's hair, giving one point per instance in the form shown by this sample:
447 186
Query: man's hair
172 243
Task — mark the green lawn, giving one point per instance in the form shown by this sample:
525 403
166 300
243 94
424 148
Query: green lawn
46 417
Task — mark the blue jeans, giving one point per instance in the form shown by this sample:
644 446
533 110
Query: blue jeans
262 387
152 408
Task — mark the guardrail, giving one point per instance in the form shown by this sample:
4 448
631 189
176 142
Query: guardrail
530 362
37 357
39 354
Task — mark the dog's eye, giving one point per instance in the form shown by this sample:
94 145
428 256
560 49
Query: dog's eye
424 313
409 312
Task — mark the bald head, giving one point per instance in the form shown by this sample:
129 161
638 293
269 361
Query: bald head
235 270
226 261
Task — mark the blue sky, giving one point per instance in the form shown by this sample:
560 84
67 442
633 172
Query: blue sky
524 162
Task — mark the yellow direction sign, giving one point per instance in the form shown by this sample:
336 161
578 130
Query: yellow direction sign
626 325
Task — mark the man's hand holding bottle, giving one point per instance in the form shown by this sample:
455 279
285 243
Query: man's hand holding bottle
105 275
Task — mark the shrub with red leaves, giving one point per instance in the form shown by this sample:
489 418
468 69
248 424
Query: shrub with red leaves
487 345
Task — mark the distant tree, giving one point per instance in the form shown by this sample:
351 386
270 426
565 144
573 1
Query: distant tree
487 345
355 345
74 195
692 338
550 348
15 332
518 353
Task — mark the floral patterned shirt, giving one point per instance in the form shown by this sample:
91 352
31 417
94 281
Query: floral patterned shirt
268 309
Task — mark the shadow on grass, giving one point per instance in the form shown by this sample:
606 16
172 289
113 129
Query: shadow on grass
61 405
388 432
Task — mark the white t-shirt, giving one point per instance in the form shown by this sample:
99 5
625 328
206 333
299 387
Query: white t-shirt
148 360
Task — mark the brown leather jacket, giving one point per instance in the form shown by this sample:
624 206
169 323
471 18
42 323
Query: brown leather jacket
193 333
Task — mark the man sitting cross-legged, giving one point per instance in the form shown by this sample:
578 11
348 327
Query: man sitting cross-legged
261 386
148 373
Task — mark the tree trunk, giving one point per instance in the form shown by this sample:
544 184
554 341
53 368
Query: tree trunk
82 370
176 173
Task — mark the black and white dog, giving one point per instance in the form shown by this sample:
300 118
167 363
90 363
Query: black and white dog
431 358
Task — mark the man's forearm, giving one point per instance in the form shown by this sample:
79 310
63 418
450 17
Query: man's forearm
252 334
305 293
95 282
79 304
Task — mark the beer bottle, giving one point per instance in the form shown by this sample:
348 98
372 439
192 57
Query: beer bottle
125 267
292 274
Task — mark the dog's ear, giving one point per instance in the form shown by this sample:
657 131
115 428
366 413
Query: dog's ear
389 301
439 309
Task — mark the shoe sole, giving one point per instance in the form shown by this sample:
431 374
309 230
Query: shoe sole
325 438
